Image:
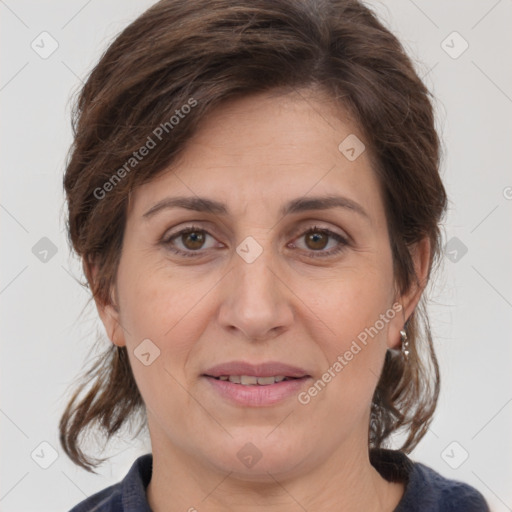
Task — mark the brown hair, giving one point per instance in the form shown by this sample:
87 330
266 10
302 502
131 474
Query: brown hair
208 51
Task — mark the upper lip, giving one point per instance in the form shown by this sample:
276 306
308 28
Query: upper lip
268 369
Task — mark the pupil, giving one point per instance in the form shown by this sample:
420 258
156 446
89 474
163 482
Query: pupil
317 237
197 239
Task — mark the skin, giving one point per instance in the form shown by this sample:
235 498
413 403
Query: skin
254 154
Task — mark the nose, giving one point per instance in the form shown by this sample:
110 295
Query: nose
257 303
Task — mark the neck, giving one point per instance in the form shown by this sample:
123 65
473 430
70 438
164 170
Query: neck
346 481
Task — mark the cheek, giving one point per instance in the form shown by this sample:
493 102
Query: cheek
352 301
154 308
155 302
356 313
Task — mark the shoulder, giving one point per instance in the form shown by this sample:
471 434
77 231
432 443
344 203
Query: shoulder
445 494
425 488
127 495
107 500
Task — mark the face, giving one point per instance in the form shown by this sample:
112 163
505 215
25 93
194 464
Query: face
254 280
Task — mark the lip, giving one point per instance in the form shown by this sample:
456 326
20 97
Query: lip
256 395
266 369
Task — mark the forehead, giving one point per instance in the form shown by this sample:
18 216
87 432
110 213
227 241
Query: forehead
266 148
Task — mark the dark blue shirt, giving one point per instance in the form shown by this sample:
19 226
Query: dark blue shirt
425 491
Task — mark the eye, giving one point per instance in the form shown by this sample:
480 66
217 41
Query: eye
193 238
317 239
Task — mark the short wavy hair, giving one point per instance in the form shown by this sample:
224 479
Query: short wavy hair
215 50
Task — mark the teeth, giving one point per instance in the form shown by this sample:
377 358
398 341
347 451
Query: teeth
249 380
246 380
265 381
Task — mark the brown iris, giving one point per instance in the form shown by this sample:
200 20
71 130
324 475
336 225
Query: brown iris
197 238
317 237
316 240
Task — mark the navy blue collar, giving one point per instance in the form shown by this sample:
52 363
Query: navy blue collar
425 489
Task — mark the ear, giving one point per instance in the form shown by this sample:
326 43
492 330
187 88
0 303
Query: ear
108 312
420 253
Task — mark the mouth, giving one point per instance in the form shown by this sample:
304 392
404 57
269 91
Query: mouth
256 385
252 380
241 372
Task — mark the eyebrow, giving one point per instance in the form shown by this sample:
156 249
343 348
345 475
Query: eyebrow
301 204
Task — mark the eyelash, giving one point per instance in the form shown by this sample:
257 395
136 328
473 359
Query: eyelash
314 254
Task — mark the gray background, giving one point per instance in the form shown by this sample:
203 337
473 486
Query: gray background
47 334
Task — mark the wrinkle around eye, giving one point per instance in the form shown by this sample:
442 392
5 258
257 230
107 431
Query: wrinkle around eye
342 242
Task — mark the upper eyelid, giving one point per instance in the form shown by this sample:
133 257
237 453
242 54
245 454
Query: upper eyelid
300 230
343 243
301 227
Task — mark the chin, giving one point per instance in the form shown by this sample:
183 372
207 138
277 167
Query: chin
253 457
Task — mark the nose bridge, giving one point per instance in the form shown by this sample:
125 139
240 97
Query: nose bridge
256 302
255 274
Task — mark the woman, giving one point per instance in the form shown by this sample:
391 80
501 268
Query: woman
254 191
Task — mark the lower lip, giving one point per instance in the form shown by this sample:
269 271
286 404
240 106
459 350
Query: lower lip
256 395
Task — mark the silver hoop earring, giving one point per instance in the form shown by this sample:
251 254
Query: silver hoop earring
405 344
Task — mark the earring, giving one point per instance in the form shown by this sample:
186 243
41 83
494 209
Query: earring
405 344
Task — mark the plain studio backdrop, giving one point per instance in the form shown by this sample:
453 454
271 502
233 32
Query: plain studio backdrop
463 49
